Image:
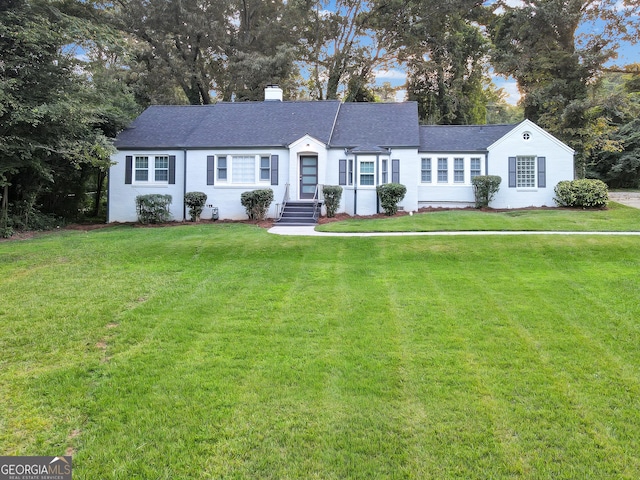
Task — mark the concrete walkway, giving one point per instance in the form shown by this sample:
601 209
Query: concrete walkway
311 232
631 199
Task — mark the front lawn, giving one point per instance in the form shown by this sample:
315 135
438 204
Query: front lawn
616 217
221 351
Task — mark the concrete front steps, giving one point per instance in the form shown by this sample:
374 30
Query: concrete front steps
297 214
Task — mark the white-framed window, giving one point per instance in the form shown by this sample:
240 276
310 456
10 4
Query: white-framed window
458 170
161 169
265 168
425 170
367 172
443 170
151 169
222 169
476 169
525 172
385 170
244 169
141 167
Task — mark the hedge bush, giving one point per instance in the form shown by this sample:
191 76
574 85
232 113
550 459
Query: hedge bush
257 202
390 194
195 201
153 208
485 188
583 193
332 195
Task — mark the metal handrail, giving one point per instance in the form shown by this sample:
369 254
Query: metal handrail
317 202
285 199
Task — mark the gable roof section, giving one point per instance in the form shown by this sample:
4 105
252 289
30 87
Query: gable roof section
240 124
460 138
376 124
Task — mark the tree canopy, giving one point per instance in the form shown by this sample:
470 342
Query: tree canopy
75 72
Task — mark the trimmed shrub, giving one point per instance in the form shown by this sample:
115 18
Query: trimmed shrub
195 201
485 188
583 193
153 208
257 202
390 194
332 195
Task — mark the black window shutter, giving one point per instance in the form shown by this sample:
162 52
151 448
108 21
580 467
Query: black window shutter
274 169
342 173
172 169
542 172
128 167
395 171
512 172
211 173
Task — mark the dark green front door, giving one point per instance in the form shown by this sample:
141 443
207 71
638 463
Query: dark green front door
308 176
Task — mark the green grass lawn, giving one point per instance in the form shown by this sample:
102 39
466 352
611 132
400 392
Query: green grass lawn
221 351
616 217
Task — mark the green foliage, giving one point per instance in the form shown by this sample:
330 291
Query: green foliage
582 193
332 195
485 188
257 202
195 201
390 194
53 117
153 208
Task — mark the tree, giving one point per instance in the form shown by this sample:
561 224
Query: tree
230 48
342 48
537 43
445 53
49 123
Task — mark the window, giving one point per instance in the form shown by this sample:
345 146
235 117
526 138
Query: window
385 170
156 170
526 136
458 170
265 168
475 168
443 170
367 173
525 172
426 170
161 173
142 169
243 169
222 169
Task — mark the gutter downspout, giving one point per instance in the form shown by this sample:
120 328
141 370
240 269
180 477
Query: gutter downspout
108 192
355 184
184 185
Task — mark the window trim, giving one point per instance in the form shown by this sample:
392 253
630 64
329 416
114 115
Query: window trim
426 169
262 169
458 171
472 171
445 170
151 169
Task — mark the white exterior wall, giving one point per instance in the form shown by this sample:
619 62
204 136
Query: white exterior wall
559 166
307 145
122 197
226 195
449 193
363 199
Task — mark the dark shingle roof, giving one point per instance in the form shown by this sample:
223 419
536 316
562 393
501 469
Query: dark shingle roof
460 138
377 124
242 124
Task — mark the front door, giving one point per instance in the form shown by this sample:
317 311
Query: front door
308 176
